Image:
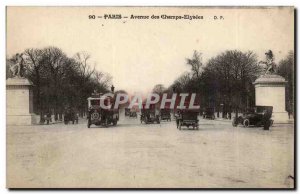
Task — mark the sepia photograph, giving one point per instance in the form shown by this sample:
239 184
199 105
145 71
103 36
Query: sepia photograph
161 97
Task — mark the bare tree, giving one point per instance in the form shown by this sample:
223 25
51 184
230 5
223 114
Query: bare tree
60 81
33 60
85 70
196 63
182 82
233 72
159 89
54 60
104 80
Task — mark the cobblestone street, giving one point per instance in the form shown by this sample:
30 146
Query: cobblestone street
155 155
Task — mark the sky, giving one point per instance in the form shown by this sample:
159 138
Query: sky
139 53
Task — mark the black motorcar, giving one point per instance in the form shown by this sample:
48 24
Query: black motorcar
100 116
209 113
257 116
150 115
187 118
69 116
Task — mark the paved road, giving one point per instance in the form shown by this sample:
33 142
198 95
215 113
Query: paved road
155 155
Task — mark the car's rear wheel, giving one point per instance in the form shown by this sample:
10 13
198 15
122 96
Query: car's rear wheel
246 123
267 125
272 121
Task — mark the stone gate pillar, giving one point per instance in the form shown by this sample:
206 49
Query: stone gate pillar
19 102
270 91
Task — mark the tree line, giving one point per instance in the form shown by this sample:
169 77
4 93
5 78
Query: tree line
225 81
60 81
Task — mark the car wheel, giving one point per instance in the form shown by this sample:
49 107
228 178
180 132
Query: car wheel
246 123
272 121
267 125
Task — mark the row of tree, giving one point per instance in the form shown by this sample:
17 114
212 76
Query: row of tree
225 82
60 81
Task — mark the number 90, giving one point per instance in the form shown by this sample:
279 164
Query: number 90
92 16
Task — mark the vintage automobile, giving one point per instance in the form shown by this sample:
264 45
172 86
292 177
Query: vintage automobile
150 115
165 114
69 116
99 116
209 113
187 117
257 116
